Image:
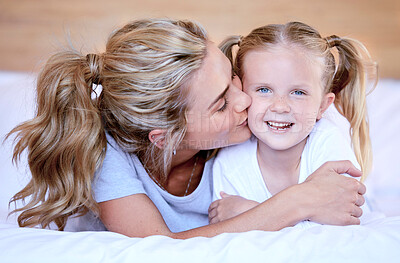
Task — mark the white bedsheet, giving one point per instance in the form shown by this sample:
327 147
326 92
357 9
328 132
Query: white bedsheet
377 240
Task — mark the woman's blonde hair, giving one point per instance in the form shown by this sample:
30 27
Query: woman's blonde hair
347 78
144 73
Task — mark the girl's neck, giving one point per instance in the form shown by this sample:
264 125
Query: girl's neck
279 168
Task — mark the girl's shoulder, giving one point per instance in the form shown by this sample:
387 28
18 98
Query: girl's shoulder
324 129
325 124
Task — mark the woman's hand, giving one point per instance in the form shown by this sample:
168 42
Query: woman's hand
333 198
228 206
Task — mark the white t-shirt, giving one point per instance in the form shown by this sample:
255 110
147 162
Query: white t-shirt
236 169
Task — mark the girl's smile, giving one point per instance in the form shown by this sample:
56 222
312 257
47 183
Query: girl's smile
276 126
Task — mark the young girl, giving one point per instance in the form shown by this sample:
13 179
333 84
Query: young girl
290 73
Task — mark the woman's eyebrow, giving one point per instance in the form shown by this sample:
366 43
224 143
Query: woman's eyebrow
219 97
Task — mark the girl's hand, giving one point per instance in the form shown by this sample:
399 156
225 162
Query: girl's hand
228 206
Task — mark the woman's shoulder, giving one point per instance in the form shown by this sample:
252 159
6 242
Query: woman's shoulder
117 160
119 174
115 151
112 143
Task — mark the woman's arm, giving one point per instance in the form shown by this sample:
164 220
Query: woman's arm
326 197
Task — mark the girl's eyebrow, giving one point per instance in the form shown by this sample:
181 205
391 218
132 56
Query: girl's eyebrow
301 85
220 96
265 84
259 84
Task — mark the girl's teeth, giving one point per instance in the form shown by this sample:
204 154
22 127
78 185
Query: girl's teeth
279 125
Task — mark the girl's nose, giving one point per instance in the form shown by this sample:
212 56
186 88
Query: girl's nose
280 105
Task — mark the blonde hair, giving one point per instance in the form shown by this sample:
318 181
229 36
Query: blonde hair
145 73
347 80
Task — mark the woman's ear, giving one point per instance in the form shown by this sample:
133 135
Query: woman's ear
157 137
327 100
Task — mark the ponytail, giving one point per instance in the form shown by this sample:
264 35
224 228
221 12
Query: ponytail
349 84
65 142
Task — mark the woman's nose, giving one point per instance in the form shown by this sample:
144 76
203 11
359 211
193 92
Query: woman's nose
242 101
280 105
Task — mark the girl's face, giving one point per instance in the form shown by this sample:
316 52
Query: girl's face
287 96
217 115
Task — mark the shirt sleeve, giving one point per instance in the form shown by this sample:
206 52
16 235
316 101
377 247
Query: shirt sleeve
117 177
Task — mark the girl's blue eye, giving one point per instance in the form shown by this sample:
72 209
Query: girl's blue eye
299 92
264 90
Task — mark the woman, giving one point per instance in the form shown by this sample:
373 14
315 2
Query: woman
139 155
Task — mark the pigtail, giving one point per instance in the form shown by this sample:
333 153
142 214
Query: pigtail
65 142
349 84
226 46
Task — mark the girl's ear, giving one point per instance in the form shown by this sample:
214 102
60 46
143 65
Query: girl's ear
325 103
157 137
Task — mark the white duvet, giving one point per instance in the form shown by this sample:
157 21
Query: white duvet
376 240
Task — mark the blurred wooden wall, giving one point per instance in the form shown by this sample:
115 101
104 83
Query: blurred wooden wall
31 29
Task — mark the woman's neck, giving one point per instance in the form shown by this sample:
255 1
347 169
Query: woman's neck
183 156
184 174
279 168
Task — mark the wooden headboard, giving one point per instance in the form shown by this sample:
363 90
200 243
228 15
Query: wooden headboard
30 30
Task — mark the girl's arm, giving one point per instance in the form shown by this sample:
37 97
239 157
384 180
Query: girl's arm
326 197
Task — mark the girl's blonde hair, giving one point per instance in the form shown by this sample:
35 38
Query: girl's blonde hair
145 73
347 78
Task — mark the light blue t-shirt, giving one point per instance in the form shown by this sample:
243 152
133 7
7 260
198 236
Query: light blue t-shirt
122 174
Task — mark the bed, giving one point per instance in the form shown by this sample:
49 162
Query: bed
377 239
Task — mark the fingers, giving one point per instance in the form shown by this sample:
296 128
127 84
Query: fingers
212 206
341 167
357 211
360 200
213 220
353 221
223 194
212 215
350 219
362 189
212 212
